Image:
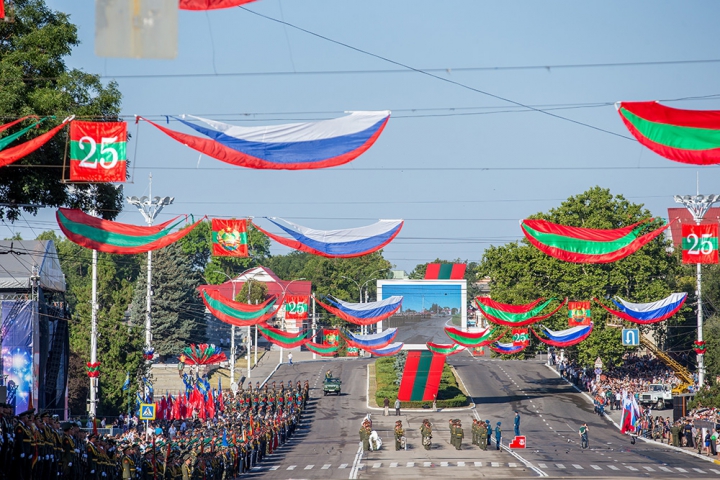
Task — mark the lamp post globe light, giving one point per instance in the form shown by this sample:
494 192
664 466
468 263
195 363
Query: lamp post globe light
149 207
698 205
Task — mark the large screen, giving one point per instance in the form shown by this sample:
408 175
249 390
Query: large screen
442 298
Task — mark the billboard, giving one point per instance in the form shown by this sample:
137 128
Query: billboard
438 298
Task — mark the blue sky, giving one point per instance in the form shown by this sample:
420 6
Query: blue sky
417 297
461 167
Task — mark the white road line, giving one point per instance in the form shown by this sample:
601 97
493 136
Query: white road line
649 469
444 464
559 465
478 464
427 464
393 464
665 469
410 464
377 465
698 470
681 470
494 464
461 464
356 462
326 466
513 465
578 467
542 465
714 471
596 467
343 465
292 467
631 468
613 467
273 468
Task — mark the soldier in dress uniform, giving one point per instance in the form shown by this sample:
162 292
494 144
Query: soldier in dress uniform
23 449
7 439
482 435
426 434
187 469
399 433
458 435
69 455
473 431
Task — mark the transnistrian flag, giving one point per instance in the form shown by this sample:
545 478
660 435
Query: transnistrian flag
296 307
579 313
229 238
700 243
520 337
98 151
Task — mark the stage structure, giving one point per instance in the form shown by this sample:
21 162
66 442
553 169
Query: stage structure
443 300
34 334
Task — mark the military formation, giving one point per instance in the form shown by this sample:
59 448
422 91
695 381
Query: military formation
255 423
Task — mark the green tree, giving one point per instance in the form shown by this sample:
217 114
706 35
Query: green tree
177 311
521 273
288 266
343 277
119 344
252 291
34 80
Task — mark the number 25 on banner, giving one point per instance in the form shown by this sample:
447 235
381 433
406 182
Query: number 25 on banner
98 151
700 243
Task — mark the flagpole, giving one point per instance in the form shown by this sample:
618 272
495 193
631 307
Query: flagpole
93 335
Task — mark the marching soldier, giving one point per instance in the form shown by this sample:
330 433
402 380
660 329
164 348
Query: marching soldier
365 439
68 451
458 436
23 451
187 469
128 464
399 433
426 434
482 435
474 432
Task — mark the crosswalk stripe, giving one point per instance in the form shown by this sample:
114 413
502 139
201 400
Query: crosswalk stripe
649 469
542 465
596 467
560 465
428 464
377 465
478 464
461 464
410 464
631 468
578 467
393 465
292 467
444 464
513 465
681 470
665 469
272 469
326 466
494 464
309 467
698 470
714 471
343 465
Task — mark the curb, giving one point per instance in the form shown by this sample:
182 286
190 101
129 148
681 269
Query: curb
646 440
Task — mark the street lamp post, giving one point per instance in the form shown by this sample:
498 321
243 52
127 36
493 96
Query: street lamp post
149 207
698 206
363 328
232 334
282 327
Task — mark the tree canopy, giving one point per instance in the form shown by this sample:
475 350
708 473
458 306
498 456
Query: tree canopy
34 80
521 273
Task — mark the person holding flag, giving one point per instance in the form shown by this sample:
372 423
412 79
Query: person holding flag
630 414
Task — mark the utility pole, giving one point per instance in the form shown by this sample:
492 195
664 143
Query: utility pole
698 205
149 207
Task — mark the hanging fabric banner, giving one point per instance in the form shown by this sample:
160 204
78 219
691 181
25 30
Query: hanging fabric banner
98 151
470 340
362 313
579 313
565 338
700 243
520 337
322 349
203 354
283 339
13 154
444 349
588 245
506 307
346 243
421 376
7 140
298 146
237 313
373 341
386 351
114 237
331 336
229 238
686 136
296 307
519 319
506 348
644 313
211 4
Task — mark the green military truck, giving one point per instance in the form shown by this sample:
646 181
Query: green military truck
331 385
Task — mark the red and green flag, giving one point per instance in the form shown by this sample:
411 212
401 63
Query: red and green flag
331 336
686 136
237 313
444 349
700 243
445 271
511 319
470 340
323 349
283 339
579 313
229 238
296 307
520 337
93 369
98 151
588 245
421 376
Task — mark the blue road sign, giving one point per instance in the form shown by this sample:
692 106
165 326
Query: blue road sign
631 337
147 411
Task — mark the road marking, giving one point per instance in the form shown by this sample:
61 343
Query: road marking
343 465
272 469
559 465
393 464
478 464
427 464
596 467
698 470
649 469
682 470
377 465
309 467
326 466
713 470
613 467
494 464
444 464
410 464
578 467
631 468
665 469
292 467
542 465
513 465
461 464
